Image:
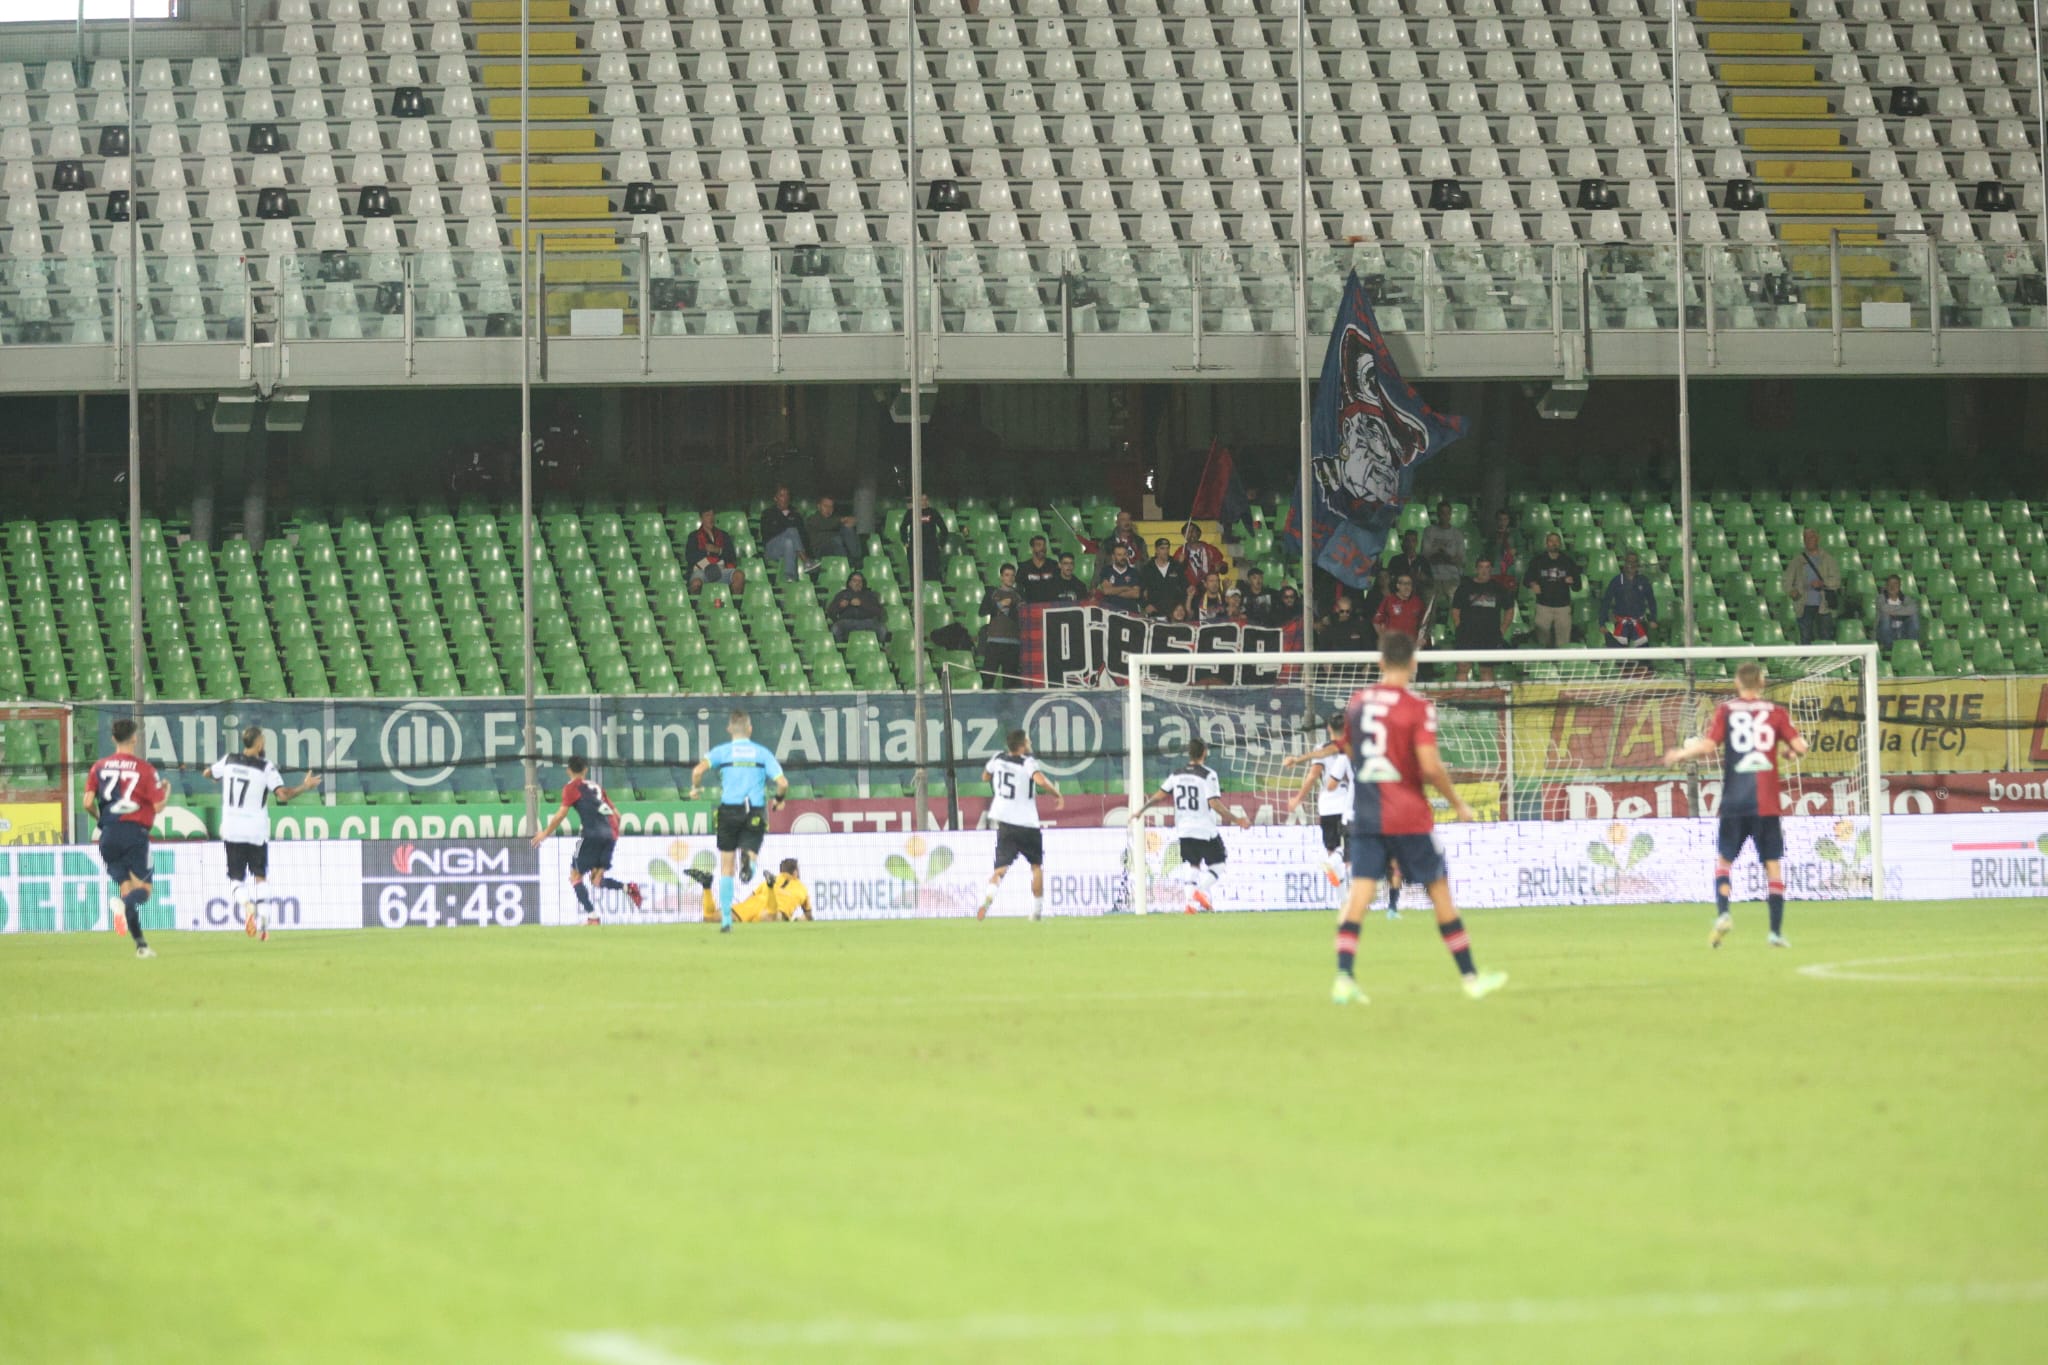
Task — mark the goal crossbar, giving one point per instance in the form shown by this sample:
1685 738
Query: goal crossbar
1863 656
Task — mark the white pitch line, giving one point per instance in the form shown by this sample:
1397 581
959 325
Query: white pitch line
617 1348
914 1334
1848 970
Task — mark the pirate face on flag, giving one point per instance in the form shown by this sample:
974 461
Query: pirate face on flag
1368 431
1377 438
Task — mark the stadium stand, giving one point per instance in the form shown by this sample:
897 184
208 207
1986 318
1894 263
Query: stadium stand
1450 143
426 601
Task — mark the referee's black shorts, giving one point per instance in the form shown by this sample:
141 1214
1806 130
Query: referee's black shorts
741 827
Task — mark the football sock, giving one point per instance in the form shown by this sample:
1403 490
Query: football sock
1347 946
1722 890
1038 904
583 899
132 912
725 900
611 884
1777 904
1459 943
1393 895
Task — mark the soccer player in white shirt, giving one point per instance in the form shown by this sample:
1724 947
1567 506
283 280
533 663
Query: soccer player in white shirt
1014 777
1196 798
247 782
1331 779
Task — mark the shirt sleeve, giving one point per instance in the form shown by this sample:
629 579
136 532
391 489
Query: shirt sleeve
774 765
273 780
988 769
152 788
218 769
1428 724
1717 725
1782 722
570 792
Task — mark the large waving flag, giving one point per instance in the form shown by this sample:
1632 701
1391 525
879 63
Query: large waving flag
1367 432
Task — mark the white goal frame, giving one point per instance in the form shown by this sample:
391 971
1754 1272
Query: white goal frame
1134 711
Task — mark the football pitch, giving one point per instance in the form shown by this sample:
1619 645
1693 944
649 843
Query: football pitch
1144 1140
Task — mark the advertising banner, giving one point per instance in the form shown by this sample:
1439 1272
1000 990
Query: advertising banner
313 885
32 822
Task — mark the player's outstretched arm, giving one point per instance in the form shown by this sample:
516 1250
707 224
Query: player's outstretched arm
311 781
546 832
1320 751
1039 779
1308 784
1799 745
697 775
1698 747
1439 778
781 789
1224 814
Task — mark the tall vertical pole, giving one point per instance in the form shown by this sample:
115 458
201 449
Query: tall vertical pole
1684 370
135 315
526 305
2040 147
920 780
1873 777
1307 491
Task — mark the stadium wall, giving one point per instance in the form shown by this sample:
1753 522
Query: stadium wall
470 883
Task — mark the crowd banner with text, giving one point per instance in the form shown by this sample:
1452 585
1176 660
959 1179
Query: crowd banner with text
1091 646
496 883
1369 429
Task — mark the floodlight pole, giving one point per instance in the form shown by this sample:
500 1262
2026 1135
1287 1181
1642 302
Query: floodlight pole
1305 519
527 739
920 780
136 652
1678 152
2040 147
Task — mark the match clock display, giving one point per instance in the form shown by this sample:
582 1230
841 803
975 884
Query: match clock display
449 883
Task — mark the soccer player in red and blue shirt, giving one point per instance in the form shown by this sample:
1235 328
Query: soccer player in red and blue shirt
1390 735
123 792
1751 731
600 823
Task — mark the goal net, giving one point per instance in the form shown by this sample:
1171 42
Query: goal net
1559 753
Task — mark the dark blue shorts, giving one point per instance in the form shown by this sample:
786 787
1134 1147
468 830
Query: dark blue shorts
1764 830
124 848
1420 860
594 855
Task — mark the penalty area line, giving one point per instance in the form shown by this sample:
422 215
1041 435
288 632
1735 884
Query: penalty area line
1855 969
626 1348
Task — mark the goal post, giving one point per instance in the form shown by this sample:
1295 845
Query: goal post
38 773
1550 736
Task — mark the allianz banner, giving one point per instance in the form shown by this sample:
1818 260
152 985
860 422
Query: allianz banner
835 745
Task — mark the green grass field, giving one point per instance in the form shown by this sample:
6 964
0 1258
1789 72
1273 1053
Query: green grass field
1108 1140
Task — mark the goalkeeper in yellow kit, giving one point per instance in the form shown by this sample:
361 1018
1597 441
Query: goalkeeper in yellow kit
779 897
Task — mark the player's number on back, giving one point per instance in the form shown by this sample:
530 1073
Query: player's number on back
1753 740
1006 785
117 792
1187 797
238 791
1373 765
